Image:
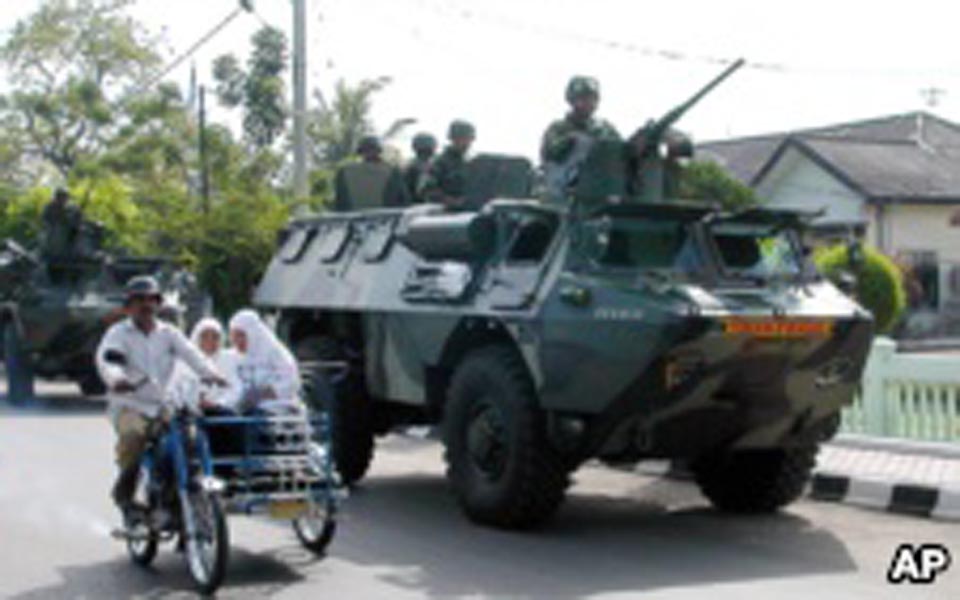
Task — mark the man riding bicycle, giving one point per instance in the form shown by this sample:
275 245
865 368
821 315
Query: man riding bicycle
151 348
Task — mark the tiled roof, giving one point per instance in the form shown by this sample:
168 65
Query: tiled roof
914 156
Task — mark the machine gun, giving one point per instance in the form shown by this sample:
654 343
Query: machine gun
655 147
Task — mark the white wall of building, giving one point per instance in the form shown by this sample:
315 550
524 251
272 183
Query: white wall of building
798 182
899 230
913 229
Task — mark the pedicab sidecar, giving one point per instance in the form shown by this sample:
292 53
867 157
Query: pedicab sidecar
280 466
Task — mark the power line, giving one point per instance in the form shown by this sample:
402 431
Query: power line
185 55
669 54
470 14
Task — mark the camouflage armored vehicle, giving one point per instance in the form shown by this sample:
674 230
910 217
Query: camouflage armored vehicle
52 314
623 326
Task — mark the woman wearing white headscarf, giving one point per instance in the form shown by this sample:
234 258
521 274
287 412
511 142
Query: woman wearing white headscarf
268 373
207 335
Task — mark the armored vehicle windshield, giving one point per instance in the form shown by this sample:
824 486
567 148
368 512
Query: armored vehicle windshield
693 243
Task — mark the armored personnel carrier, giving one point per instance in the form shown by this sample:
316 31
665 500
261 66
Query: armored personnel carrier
52 314
622 325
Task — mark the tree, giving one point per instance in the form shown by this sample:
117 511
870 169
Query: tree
259 90
336 129
71 62
106 201
237 242
706 181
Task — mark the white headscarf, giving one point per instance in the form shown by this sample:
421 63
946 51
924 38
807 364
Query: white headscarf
206 324
266 359
224 359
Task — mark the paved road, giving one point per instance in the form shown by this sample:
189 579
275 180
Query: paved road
619 536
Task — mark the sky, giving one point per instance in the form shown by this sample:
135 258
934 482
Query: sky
503 64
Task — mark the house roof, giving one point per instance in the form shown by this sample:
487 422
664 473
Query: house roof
909 157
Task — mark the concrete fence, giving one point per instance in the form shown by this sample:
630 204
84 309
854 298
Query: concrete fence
912 396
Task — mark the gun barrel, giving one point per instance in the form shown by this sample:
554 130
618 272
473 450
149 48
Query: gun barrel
658 128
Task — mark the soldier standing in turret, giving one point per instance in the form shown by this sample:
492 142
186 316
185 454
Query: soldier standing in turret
446 181
62 221
567 141
424 146
370 183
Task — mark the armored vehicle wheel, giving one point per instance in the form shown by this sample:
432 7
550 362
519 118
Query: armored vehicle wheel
349 411
501 465
18 366
755 481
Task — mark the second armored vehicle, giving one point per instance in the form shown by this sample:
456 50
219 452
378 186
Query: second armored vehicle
52 315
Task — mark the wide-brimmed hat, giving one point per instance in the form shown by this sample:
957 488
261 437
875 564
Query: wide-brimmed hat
143 285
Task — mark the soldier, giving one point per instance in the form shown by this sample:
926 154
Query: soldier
446 181
370 183
424 146
567 141
62 221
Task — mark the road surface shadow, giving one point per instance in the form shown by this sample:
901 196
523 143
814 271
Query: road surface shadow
249 575
596 543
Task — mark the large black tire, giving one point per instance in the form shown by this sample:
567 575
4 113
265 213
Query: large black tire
755 481
501 466
349 412
208 566
19 369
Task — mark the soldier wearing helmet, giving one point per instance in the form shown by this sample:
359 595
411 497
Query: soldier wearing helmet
567 141
424 146
62 221
446 181
370 183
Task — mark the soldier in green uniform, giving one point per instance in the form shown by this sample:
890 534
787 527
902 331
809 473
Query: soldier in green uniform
62 221
446 181
370 183
567 141
424 146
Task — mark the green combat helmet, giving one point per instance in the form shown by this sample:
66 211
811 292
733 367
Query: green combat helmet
424 143
461 129
581 85
369 144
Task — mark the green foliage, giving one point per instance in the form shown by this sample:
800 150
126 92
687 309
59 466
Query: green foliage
105 201
880 286
260 90
706 181
336 128
237 241
61 61
76 112
108 201
21 217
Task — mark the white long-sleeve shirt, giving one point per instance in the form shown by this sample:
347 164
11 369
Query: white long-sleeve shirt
227 396
274 371
154 355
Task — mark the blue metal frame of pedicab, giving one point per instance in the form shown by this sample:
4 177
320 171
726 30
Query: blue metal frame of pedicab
279 471
169 446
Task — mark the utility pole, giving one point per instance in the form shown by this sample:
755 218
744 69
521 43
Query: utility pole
300 185
204 171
